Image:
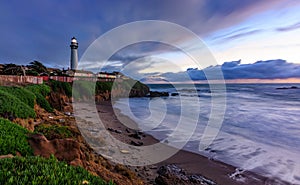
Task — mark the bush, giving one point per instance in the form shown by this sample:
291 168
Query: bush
12 106
41 91
38 170
21 93
104 86
53 131
58 86
13 138
40 100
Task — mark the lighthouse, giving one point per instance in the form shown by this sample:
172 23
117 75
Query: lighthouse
74 54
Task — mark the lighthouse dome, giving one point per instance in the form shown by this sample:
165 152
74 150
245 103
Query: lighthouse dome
74 40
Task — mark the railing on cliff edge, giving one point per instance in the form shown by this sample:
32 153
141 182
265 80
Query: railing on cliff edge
41 79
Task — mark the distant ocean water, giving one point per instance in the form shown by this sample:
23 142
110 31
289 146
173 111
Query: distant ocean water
260 131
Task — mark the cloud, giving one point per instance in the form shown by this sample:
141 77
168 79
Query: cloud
42 30
289 28
270 69
240 35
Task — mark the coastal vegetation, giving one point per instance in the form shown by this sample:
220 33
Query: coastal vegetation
37 115
124 88
40 92
13 139
18 102
64 87
35 68
12 106
32 104
22 94
53 131
38 170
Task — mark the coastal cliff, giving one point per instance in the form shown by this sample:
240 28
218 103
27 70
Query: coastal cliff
62 93
45 113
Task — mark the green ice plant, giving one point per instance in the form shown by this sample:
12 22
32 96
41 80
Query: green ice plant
10 105
21 93
13 138
41 89
38 170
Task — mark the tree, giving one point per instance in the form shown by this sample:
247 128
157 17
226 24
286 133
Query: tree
12 69
38 67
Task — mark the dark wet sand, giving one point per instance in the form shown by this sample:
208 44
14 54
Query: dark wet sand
192 163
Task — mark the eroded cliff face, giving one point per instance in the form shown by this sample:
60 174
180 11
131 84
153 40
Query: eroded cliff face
59 99
120 92
74 150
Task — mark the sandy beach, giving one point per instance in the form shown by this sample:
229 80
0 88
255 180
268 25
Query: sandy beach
192 163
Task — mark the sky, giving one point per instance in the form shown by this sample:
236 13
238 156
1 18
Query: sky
249 39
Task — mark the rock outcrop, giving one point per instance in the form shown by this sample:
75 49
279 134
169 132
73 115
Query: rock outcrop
173 175
63 149
158 94
283 88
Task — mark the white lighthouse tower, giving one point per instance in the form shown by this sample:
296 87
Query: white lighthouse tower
74 54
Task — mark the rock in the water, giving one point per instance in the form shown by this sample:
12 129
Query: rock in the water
174 94
282 88
173 175
158 94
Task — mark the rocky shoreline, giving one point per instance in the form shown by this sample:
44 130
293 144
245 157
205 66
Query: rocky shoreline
75 147
182 168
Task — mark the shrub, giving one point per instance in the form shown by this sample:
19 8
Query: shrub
12 106
58 86
13 138
21 93
41 91
53 131
40 100
104 86
38 170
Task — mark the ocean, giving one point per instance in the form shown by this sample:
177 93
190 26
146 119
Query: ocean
260 128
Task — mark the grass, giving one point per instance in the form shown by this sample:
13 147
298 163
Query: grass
19 101
24 95
11 106
38 170
13 138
